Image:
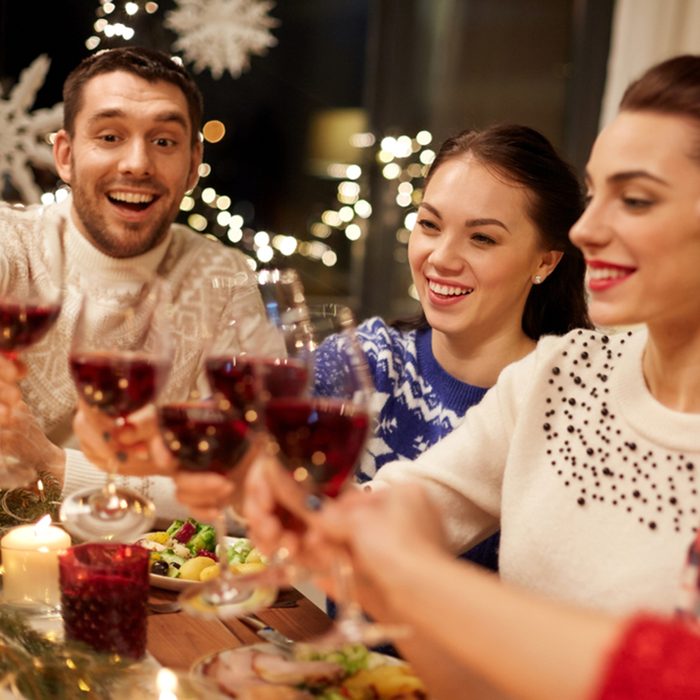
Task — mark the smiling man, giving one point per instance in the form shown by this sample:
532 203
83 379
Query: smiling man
129 150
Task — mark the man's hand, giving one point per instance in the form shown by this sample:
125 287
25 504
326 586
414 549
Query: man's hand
11 371
23 438
136 449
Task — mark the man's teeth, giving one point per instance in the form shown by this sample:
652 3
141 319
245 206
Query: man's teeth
448 291
606 273
132 197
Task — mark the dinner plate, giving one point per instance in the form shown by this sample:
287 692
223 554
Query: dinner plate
179 584
200 667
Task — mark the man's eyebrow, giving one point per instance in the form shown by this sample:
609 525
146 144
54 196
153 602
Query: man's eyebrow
176 117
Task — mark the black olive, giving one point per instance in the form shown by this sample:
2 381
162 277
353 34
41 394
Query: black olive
160 568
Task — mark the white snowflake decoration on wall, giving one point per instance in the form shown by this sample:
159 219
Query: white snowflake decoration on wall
23 134
222 34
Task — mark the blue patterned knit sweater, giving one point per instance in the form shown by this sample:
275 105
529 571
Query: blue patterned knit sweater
415 404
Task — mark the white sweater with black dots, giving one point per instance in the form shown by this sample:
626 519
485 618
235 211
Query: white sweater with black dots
594 482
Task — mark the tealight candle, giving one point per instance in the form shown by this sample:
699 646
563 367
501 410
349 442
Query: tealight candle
30 561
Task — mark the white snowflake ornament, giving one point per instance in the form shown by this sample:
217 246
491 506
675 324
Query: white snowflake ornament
22 136
222 34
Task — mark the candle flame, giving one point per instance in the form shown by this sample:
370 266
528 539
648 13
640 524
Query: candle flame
40 486
42 525
166 683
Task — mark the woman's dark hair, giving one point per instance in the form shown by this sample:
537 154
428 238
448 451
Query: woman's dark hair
149 64
671 87
525 157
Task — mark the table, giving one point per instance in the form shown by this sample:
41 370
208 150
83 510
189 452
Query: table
177 640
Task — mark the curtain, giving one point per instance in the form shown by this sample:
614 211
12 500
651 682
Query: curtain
645 32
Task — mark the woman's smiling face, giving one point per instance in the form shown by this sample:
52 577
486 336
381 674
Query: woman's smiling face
474 250
640 234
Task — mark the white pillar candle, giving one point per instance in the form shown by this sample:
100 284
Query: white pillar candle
30 562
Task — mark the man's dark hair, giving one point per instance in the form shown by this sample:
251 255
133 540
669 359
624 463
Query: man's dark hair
149 64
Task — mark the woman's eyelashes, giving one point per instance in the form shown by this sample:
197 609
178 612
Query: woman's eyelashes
483 239
428 224
636 203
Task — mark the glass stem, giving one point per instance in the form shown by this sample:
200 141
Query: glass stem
221 531
349 610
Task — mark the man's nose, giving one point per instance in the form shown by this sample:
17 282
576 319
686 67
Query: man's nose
136 158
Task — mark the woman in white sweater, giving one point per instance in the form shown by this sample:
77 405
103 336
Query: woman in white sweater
586 452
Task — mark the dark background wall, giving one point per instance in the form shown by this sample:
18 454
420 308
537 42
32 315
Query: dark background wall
441 65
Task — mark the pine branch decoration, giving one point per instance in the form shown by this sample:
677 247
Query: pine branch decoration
28 505
40 669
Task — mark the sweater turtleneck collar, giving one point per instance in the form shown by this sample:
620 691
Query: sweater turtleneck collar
86 260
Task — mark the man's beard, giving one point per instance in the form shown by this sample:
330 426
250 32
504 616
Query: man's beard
131 241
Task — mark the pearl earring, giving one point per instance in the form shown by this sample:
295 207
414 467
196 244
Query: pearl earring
537 279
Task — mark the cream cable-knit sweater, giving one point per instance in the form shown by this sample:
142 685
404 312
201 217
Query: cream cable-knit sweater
594 482
31 237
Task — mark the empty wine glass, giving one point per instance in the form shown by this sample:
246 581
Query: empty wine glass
119 359
30 303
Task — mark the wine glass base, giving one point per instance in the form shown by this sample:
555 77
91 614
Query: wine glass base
128 514
226 598
359 631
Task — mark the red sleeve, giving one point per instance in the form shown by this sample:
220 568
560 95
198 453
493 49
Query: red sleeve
655 659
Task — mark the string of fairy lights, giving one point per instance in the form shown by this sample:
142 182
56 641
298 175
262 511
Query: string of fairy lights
402 159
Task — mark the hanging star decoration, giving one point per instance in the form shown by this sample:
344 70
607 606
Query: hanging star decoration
222 34
23 134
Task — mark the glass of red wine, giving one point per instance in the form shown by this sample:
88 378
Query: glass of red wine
246 363
30 304
120 357
320 436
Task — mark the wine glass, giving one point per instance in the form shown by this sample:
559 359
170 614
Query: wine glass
320 437
120 357
30 304
246 362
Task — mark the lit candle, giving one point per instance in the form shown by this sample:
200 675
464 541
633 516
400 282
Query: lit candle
30 561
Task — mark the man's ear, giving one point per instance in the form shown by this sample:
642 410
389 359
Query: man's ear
62 150
197 154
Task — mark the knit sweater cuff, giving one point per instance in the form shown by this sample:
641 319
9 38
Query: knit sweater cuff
81 473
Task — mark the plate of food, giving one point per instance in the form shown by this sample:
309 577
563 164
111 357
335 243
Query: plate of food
262 671
186 553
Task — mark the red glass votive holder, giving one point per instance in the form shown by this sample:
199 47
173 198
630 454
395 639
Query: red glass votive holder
104 591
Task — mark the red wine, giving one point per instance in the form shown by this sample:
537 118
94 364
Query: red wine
117 384
248 381
203 437
322 436
22 325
